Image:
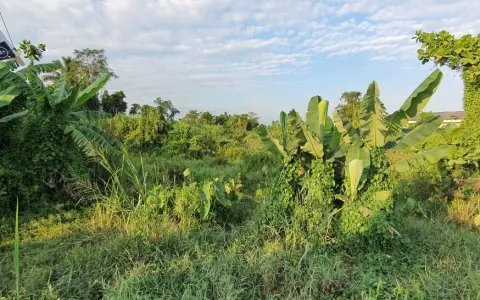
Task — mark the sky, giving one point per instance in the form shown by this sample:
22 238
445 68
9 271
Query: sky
250 55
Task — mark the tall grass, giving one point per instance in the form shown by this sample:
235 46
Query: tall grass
16 255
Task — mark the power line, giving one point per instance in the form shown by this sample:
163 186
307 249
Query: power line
6 28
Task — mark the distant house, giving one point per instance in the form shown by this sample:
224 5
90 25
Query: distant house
449 117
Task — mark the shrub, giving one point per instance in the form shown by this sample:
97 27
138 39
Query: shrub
465 211
352 188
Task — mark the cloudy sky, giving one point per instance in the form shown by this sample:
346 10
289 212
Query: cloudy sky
250 55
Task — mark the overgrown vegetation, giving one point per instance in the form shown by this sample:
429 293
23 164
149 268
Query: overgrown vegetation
152 206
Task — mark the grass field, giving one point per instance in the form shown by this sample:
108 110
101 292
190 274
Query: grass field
93 255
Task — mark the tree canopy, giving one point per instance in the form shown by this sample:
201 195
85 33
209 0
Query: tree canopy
30 51
462 54
114 103
134 109
444 49
350 106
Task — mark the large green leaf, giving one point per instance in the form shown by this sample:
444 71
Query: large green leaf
416 102
382 196
90 115
418 134
8 94
67 104
372 117
61 92
270 143
333 139
329 126
421 159
84 95
13 116
37 86
317 116
358 151
41 68
206 194
8 64
12 79
91 138
308 142
355 171
345 127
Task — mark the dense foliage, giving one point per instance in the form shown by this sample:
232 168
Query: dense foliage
155 204
357 201
462 54
349 106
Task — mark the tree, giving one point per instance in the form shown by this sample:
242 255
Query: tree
166 108
253 121
135 109
114 103
150 130
191 116
222 119
90 64
238 125
30 51
68 69
350 107
54 124
147 129
206 118
462 54
83 69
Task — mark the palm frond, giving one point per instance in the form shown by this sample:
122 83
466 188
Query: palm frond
373 125
90 138
7 95
92 90
90 115
9 78
13 116
41 68
8 64
62 91
420 159
36 84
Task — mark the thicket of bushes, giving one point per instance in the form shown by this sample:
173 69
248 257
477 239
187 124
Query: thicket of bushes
298 184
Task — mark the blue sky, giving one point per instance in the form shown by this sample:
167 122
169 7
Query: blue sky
250 55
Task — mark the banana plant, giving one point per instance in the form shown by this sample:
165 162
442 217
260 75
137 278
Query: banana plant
212 192
379 130
62 99
6 97
356 174
9 93
316 136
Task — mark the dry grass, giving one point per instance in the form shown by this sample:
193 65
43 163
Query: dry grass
464 211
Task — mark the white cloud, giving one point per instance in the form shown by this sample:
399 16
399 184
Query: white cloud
178 48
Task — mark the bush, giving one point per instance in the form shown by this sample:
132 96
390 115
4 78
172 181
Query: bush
465 211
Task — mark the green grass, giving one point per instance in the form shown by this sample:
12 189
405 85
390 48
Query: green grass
79 255
16 255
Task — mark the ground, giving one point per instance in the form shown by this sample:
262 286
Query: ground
92 255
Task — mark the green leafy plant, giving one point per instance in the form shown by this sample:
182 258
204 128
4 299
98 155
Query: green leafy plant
56 124
8 94
461 54
361 180
62 100
317 137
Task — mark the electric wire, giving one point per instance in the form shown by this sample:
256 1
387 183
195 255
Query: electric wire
6 29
